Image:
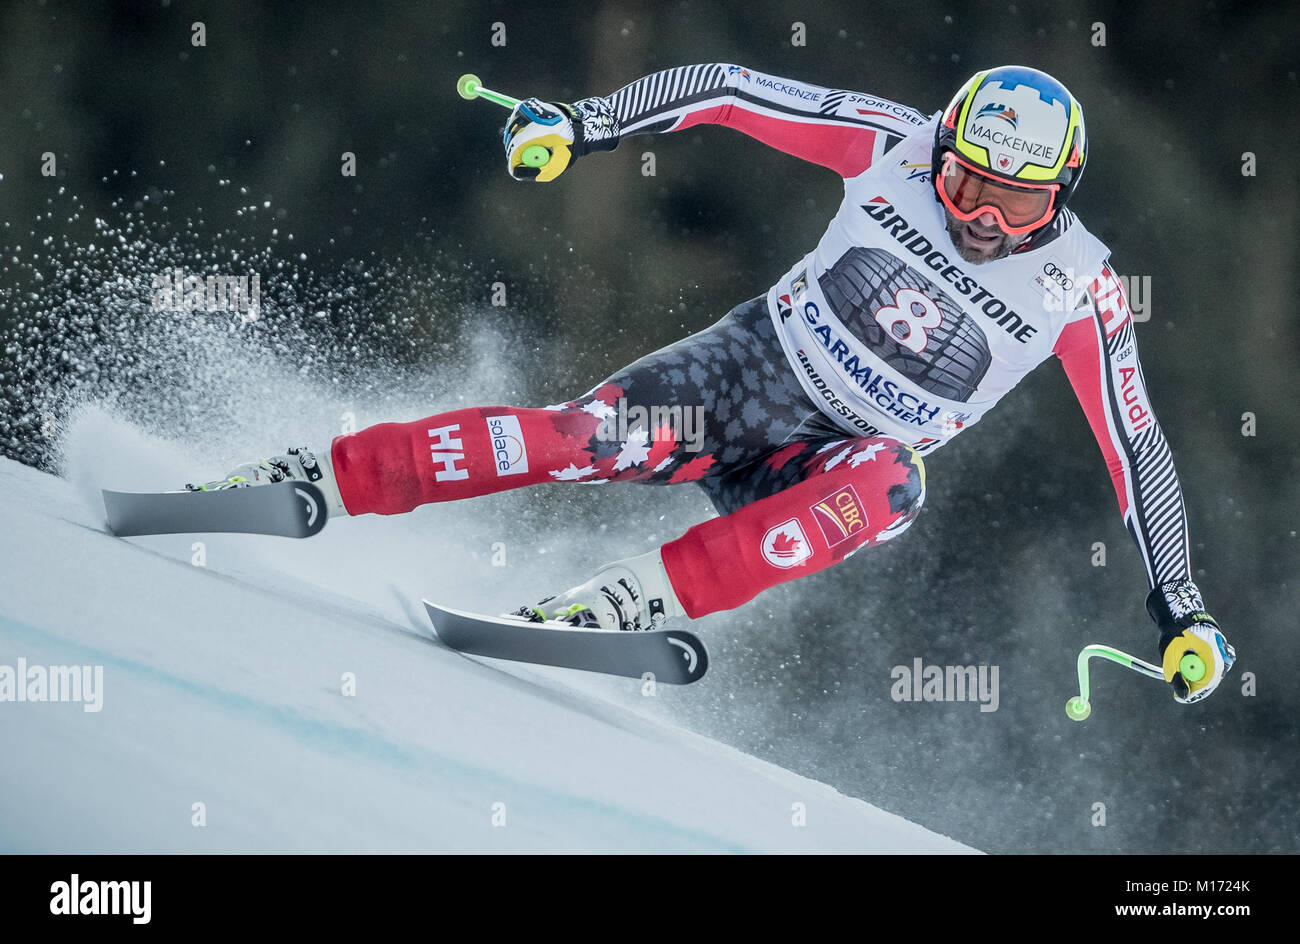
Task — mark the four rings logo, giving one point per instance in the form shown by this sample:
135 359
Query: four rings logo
1058 275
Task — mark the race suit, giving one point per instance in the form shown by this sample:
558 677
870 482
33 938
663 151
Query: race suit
817 401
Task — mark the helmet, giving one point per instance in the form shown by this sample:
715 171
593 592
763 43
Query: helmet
1011 141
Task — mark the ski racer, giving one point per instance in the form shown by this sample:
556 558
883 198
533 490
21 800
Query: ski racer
951 269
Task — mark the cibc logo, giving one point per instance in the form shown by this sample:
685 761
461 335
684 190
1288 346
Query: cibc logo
839 515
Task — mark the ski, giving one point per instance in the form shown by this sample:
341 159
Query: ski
288 509
670 655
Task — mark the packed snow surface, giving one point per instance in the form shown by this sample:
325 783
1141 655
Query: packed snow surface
265 694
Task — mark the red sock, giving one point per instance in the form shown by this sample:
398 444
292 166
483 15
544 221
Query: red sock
393 467
871 494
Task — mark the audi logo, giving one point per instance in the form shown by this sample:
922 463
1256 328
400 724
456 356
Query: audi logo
1057 275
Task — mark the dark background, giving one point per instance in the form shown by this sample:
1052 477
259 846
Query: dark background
228 156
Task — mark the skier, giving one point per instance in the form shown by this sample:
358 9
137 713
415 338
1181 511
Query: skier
951 269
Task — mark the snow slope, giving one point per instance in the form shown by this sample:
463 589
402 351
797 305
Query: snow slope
223 686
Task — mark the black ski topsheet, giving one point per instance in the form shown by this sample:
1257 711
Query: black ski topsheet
670 655
287 509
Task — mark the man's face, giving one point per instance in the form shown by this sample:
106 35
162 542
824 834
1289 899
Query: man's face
981 240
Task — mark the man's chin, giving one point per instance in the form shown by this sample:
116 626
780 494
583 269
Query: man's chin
976 250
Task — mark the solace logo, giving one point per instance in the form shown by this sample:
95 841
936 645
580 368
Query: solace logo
76 897
509 454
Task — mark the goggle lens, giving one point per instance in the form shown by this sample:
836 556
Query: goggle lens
968 192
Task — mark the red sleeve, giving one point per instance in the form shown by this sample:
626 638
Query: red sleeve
845 131
1099 354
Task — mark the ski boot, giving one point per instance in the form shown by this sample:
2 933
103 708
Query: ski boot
298 464
629 595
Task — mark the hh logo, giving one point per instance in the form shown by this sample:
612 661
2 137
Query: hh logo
446 451
839 515
1108 295
785 545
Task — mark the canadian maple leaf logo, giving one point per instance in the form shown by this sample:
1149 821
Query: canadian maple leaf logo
786 546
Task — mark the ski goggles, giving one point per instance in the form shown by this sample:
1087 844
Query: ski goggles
968 192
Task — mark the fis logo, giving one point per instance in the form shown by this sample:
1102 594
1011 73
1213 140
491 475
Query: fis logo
916 170
839 515
509 455
785 545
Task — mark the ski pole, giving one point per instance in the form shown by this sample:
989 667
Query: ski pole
469 89
1078 708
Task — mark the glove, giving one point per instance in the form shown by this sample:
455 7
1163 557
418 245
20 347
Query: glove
1186 629
566 131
